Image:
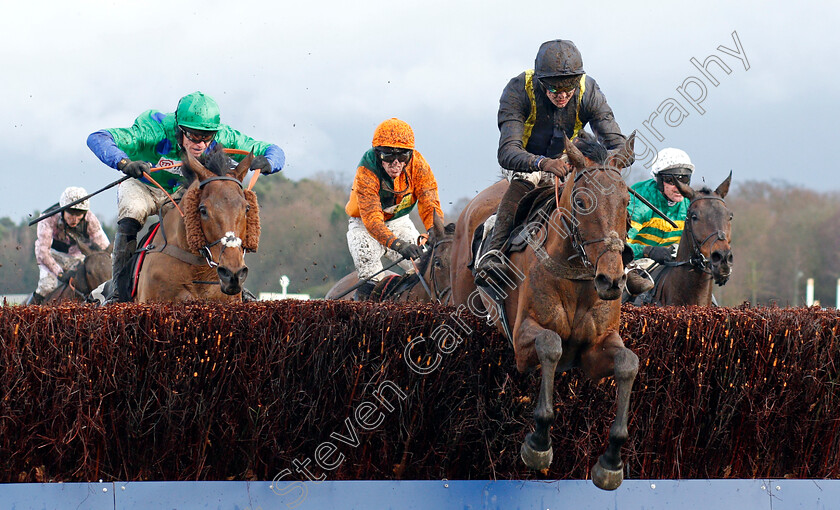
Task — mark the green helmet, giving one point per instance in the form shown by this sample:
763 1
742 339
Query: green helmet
198 111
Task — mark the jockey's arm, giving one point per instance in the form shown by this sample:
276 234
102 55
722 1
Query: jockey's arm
237 140
514 108
366 187
43 243
597 113
426 192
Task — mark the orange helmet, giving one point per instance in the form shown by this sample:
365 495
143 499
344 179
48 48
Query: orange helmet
394 133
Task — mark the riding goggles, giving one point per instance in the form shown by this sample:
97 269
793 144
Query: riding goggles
672 179
554 88
197 138
390 155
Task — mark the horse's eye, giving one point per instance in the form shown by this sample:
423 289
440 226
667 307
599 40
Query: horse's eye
731 216
693 216
202 209
438 262
247 207
580 203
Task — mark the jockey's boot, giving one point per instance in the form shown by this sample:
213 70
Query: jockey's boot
363 292
125 244
492 267
638 282
35 299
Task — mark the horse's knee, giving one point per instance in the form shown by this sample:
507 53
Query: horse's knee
549 346
626 364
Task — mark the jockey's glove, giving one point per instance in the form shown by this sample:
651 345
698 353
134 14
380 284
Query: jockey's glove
555 166
65 276
407 250
262 164
134 168
659 254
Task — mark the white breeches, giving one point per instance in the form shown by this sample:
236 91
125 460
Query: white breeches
47 281
139 201
367 252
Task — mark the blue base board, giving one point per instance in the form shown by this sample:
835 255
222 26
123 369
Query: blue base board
425 495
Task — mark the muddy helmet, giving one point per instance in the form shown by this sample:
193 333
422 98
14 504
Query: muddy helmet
198 111
394 133
558 59
72 194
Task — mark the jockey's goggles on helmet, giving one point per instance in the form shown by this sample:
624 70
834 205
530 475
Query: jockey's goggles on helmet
672 179
75 212
389 154
198 137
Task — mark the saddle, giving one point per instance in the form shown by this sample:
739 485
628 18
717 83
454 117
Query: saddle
528 211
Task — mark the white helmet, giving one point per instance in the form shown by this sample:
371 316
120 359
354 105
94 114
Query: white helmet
72 194
670 158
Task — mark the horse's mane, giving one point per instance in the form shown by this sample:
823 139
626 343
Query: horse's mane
590 147
217 161
705 190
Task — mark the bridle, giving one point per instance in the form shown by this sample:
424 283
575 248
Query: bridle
697 260
578 243
230 239
439 295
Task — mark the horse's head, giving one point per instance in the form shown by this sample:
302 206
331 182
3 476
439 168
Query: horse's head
435 263
708 227
594 204
221 218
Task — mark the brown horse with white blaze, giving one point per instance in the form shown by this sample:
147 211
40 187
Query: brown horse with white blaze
200 256
564 309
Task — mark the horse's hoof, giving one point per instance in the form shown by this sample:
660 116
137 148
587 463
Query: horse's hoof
536 459
607 479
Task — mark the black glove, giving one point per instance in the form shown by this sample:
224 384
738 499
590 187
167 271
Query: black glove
262 163
65 276
659 254
407 250
555 166
134 168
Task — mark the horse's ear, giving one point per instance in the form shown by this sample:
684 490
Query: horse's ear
723 189
685 190
193 164
243 167
576 158
625 156
438 226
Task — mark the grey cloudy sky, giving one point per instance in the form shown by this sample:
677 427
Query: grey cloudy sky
317 77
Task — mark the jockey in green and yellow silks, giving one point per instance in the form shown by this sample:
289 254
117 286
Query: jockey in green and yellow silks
651 237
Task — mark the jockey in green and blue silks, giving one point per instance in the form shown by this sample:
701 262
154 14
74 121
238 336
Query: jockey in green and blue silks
157 139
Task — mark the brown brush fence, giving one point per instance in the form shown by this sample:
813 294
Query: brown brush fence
202 392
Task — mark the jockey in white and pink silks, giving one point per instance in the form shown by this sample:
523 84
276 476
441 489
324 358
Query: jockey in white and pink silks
56 249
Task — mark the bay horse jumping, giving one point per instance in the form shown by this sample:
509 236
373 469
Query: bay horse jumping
565 308
433 268
200 256
704 255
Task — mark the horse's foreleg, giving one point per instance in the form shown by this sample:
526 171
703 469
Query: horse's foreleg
536 450
612 356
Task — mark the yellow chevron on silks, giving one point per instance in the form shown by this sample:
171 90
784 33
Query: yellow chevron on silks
658 241
660 224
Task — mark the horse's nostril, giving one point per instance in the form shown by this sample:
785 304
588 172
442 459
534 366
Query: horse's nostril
716 257
224 273
729 258
242 274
